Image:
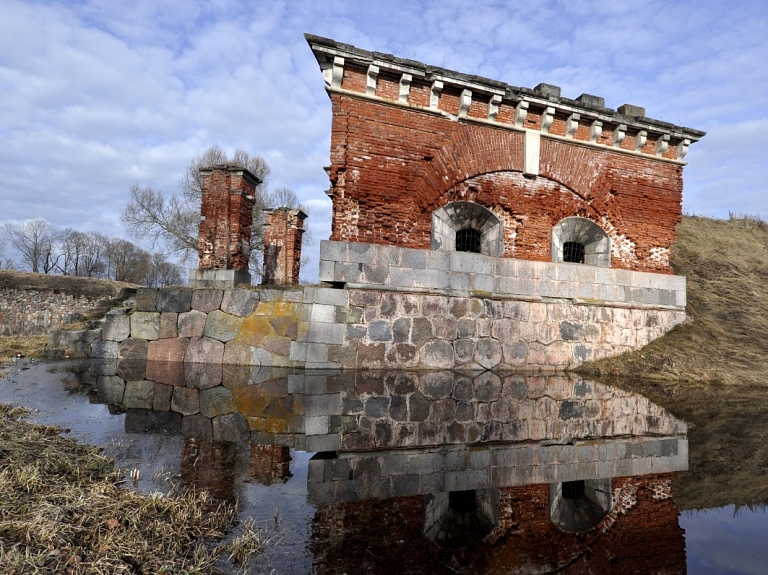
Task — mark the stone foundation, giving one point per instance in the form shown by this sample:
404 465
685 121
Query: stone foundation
406 308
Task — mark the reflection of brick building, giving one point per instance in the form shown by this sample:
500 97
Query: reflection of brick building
209 465
270 463
640 535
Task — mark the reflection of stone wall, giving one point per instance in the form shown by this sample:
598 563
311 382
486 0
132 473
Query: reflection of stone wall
372 328
406 409
640 535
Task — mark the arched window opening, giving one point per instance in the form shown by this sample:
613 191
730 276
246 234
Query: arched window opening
467 227
573 252
577 506
573 489
458 519
468 240
582 241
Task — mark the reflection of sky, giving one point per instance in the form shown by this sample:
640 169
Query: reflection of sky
722 541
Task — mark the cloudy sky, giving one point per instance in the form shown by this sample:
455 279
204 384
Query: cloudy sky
96 95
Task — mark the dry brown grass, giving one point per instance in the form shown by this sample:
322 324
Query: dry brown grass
63 510
11 345
724 341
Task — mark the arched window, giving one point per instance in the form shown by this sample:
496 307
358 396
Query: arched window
468 240
581 241
576 506
468 227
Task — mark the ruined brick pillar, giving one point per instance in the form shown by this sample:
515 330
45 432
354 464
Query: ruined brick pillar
283 228
226 219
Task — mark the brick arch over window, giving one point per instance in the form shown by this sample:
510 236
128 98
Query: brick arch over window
576 231
453 217
471 151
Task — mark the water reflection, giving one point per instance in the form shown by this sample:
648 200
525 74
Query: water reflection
430 472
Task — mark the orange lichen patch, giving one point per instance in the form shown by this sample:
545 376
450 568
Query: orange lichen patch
270 424
254 329
277 309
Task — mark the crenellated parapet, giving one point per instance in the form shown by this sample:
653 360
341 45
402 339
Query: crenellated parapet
541 112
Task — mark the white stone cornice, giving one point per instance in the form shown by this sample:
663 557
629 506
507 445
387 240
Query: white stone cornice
334 73
619 133
465 101
572 124
405 88
640 140
662 144
547 117
521 113
434 94
493 107
587 143
595 131
371 79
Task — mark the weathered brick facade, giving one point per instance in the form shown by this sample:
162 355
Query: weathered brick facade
408 139
226 218
283 229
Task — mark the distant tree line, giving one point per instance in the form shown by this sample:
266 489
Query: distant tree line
42 248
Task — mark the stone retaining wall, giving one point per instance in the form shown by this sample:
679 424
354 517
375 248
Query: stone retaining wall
317 327
33 312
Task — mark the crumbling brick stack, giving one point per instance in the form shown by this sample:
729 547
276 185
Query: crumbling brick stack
283 230
227 217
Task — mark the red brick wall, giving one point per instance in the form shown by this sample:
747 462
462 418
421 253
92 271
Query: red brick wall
227 216
393 165
282 246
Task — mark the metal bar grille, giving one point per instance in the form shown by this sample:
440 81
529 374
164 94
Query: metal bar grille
573 252
468 240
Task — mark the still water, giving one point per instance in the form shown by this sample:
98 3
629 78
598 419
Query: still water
382 472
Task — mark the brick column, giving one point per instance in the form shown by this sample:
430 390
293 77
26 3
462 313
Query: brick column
226 219
283 228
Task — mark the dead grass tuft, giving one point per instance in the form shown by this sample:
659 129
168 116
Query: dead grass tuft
63 509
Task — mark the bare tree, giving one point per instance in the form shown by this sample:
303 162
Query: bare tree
82 253
35 241
174 221
161 272
125 261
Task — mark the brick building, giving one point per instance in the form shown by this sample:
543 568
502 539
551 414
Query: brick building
423 157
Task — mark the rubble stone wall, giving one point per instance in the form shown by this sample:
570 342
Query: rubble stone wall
317 327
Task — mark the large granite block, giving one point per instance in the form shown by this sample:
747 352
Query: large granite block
117 327
240 302
145 325
174 299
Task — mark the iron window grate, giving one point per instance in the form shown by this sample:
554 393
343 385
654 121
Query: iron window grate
468 240
573 252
